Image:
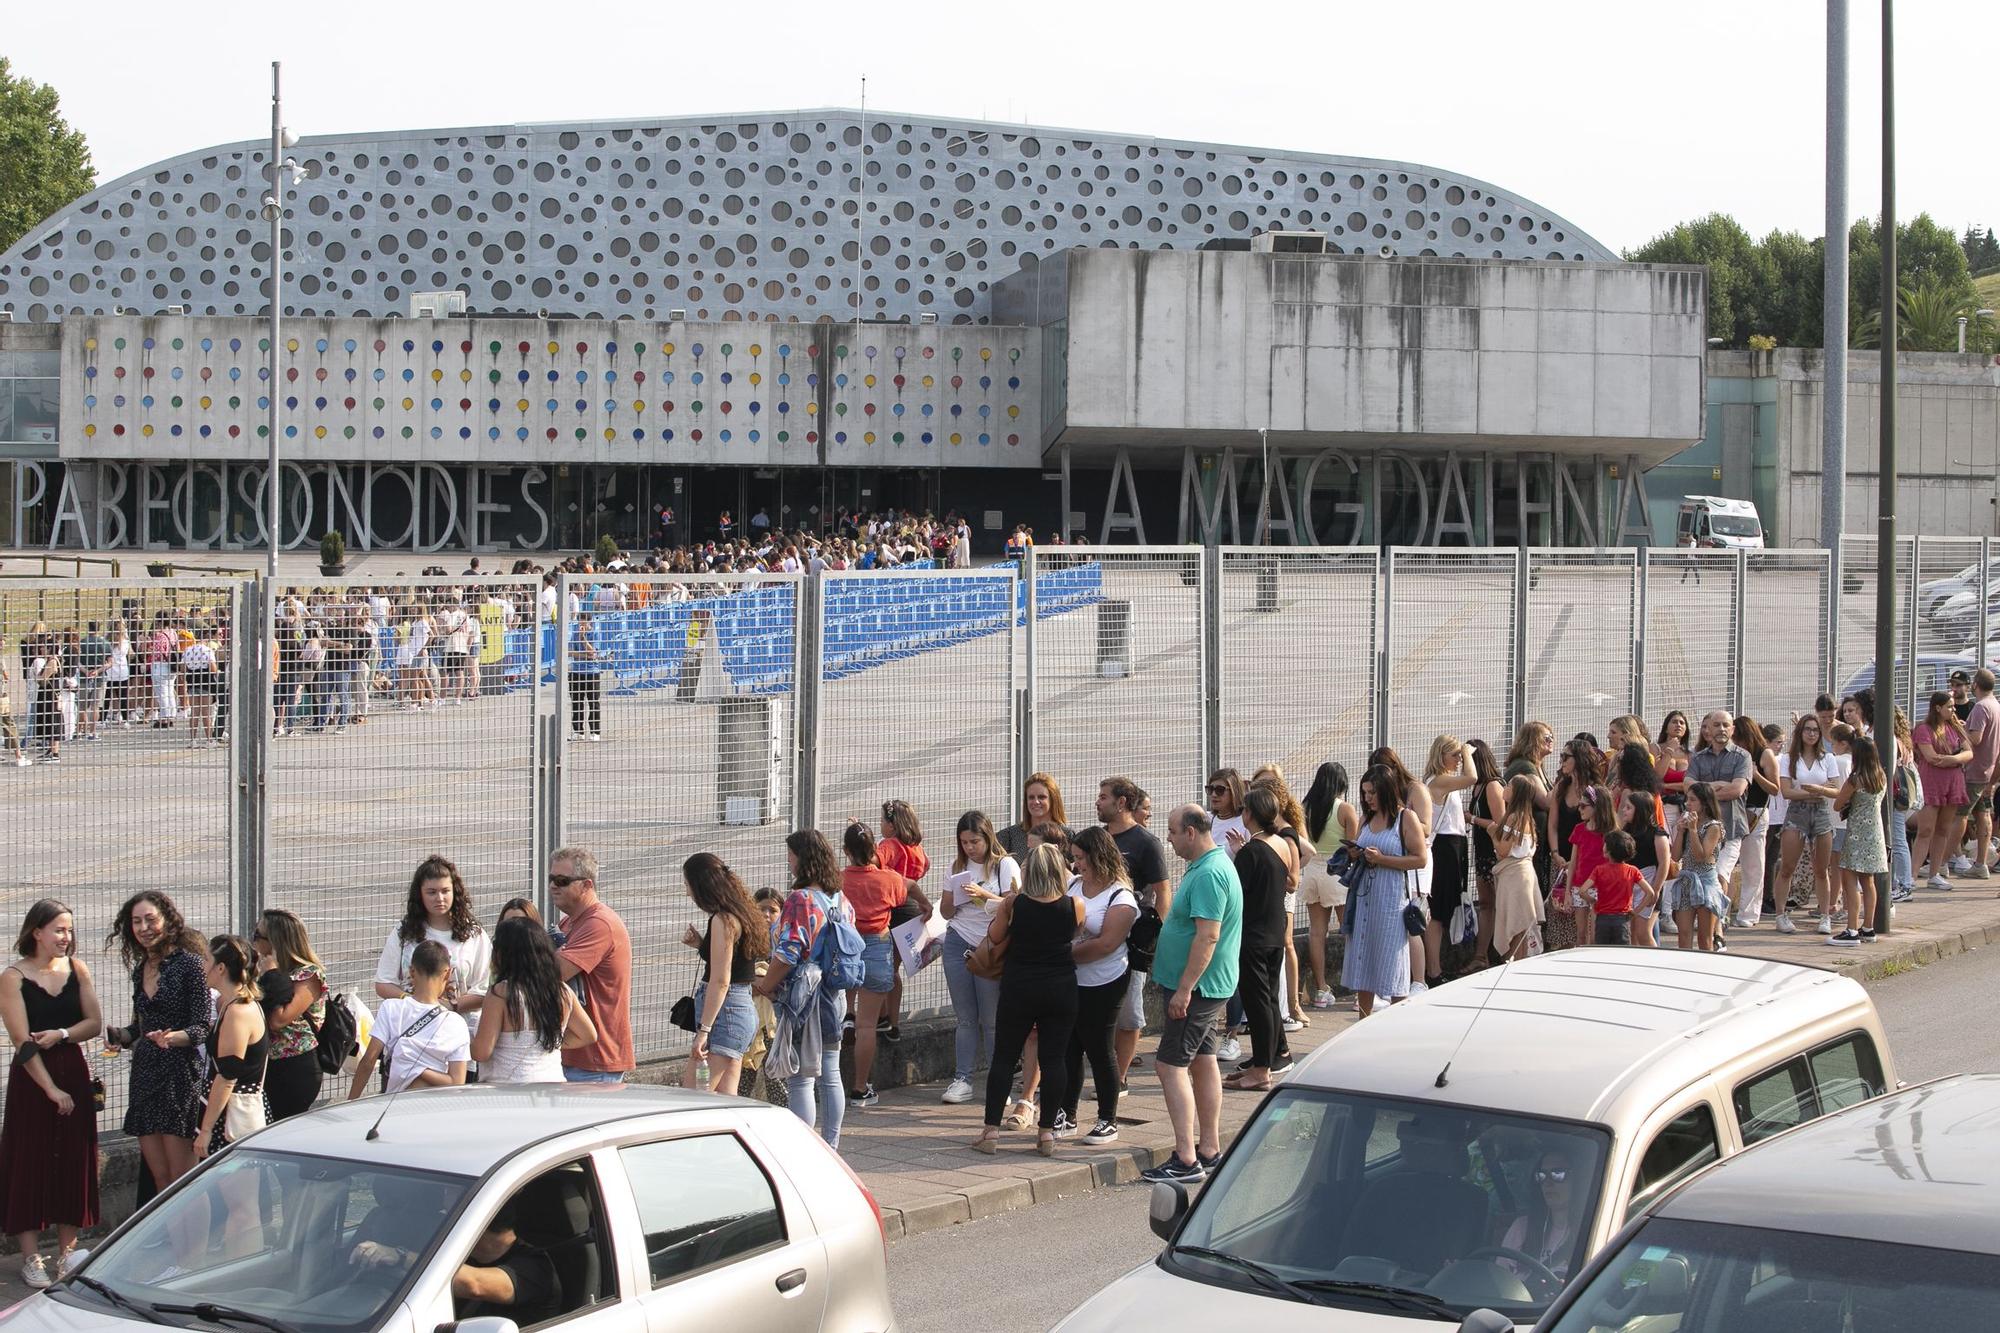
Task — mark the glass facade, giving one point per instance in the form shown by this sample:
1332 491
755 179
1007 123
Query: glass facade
28 408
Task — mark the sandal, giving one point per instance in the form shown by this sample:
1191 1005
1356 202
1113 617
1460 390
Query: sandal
988 1142
1045 1144
1019 1116
1235 1082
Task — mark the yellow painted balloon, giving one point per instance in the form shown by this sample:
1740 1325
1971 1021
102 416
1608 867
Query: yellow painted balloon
868 380
291 344
145 430
666 349
929 382
465 377
1013 411
868 437
554 348
986 354
437 377
522 405
812 409
90 344
638 407
610 434
956 438
409 403
319 432
89 431
756 349
205 403
755 378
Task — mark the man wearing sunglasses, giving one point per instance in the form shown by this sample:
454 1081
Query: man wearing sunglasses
599 950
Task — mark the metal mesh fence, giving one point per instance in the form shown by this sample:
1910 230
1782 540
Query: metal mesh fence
125 787
1450 631
1785 611
1690 632
917 679
403 728
1952 626
1118 676
1299 649
677 707
1855 667
1582 614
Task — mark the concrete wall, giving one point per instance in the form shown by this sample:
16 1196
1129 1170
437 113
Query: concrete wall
1341 350
1947 443
515 392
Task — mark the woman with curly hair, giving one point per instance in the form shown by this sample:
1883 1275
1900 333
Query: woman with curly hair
734 941
171 1016
439 908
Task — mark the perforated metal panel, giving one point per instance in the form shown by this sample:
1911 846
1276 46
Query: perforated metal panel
739 218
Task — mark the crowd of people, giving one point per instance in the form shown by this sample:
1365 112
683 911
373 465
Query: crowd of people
1053 937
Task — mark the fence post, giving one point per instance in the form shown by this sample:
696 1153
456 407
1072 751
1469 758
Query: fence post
1985 556
1211 662
1643 568
544 736
249 751
805 688
1518 702
1385 563
1910 615
1030 602
1739 599
1836 561
558 745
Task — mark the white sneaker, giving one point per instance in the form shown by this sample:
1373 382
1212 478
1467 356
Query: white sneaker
22 761
1324 1000
1293 1025
958 1093
1826 925
1785 926
1418 987
71 1261
1232 1049
1938 882
35 1273
1959 865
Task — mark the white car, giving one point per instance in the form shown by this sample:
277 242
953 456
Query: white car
1406 1171
599 1209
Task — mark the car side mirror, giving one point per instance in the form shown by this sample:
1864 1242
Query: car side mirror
481 1324
1486 1321
1169 1205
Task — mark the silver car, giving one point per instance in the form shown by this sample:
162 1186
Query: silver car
1878 1218
604 1209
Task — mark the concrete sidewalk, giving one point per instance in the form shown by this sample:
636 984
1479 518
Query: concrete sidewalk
1932 926
914 1152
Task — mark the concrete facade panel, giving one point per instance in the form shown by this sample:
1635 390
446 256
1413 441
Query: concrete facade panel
1623 396
1565 394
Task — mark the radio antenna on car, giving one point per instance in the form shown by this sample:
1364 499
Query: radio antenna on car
375 1130
1443 1074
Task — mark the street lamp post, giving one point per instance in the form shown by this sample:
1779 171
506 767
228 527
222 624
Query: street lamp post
1885 522
1981 313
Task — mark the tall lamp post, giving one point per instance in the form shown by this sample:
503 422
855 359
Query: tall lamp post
284 171
1885 522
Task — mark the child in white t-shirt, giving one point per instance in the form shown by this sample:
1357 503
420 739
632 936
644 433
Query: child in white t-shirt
426 1044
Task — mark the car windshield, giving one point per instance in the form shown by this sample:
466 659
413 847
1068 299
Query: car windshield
1676 1273
278 1241
1397 1206
1733 525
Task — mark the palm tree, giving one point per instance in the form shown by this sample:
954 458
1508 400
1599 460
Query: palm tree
1927 321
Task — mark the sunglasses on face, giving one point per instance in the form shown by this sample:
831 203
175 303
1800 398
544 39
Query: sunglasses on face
260 938
1217 788
564 881
1555 1173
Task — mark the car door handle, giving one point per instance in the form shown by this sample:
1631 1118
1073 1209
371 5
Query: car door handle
792 1281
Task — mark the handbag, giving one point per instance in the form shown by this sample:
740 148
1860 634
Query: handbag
1415 918
244 1115
989 959
682 1015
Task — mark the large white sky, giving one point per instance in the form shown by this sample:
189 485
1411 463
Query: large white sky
1622 117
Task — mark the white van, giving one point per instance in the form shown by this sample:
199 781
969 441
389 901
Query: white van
1717 523
1476 1145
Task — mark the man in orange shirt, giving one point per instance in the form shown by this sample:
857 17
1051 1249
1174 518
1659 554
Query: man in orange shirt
600 951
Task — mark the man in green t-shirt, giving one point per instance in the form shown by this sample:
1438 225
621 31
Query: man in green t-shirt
1195 962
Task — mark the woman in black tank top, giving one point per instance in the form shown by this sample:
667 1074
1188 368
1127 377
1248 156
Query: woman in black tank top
1037 992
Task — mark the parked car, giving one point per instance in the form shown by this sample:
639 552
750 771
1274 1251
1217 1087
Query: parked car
1933 674
1398 1173
636 1210
1877 1218
1936 592
1956 618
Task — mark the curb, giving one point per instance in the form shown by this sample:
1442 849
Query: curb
1921 952
1102 1169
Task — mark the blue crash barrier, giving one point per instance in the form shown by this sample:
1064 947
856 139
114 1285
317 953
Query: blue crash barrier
868 622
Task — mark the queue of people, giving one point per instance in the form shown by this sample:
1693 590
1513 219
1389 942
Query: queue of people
1053 939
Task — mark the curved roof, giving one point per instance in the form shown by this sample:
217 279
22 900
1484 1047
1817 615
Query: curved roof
1638 1024
1918 1166
726 217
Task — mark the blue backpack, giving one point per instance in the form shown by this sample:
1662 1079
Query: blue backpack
837 950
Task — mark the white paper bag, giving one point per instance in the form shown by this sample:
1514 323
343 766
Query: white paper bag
917 941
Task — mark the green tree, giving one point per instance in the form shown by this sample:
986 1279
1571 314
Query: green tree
1982 249
1925 254
1927 318
44 164
1790 305
1737 270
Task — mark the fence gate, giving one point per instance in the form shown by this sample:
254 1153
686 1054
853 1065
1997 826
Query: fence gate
1120 683
1298 653
1450 622
673 730
404 726
1581 629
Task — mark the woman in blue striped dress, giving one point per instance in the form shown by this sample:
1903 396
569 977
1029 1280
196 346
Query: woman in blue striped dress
1377 961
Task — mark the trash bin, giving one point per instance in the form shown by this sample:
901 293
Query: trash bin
1114 638
1267 585
747 760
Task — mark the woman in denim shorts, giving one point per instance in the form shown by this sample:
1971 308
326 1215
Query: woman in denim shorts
1809 778
873 891
731 944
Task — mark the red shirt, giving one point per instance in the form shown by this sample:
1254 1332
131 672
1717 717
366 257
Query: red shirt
1586 852
872 891
910 861
1614 884
599 945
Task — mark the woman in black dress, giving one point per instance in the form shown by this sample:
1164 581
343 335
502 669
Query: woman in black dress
1265 863
48 1141
1037 991
171 1016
